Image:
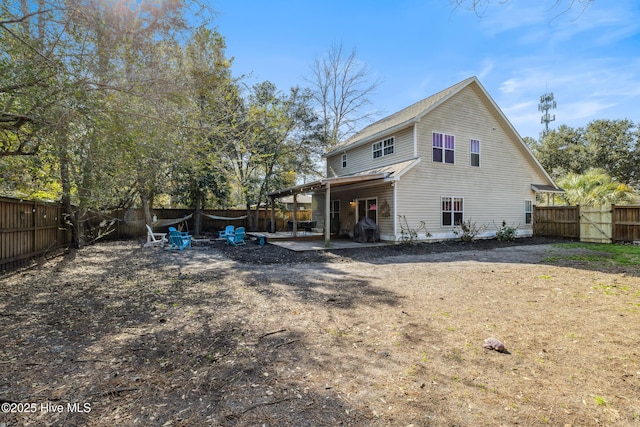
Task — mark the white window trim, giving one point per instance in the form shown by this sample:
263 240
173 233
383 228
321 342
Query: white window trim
365 200
528 204
471 153
453 224
444 134
343 160
382 147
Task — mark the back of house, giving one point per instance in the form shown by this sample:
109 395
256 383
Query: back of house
449 159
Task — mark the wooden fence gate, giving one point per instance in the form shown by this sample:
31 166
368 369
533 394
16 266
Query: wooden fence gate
595 224
599 224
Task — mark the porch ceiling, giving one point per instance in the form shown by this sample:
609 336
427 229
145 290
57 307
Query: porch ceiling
322 184
542 188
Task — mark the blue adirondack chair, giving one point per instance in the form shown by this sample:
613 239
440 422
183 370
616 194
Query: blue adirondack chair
237 238
179 239
227 231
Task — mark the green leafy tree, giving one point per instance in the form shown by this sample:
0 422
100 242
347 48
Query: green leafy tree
612 145
595 188
207 110
272 144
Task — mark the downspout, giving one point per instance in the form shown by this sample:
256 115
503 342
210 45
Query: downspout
395 211
415 140
327 219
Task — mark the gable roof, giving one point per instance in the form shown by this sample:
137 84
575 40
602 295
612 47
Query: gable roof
402 118
415 112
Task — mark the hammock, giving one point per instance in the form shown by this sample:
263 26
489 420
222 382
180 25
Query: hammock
225 218
165 222
156 223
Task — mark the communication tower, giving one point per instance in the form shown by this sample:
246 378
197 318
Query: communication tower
546 103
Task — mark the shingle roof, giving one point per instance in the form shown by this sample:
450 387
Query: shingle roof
402 117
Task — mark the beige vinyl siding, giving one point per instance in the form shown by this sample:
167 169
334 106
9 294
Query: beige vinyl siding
361 158
494 192
383 192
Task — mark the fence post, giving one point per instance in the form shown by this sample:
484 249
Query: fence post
613 223
578 215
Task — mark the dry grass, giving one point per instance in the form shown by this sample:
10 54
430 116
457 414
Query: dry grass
149 337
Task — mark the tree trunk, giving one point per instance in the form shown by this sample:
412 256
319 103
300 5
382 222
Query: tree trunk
197 219
67 209
147 205
250 218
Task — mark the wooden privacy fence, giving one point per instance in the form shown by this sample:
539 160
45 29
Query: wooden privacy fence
29 229
130 222
599 224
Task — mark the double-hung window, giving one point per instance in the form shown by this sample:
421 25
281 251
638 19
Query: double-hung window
528 211
452 210
475 152
344 160
443 148
383 148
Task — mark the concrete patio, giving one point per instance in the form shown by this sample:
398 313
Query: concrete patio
319 244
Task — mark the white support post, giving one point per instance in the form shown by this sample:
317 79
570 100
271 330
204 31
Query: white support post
295 214
327 217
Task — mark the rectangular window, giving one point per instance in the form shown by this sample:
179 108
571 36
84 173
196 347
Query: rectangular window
383 148
388 146
377 150
452 210
475 152
344 160
448 148
528 211
443 148
368 208
334 208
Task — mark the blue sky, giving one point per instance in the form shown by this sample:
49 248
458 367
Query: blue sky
589 59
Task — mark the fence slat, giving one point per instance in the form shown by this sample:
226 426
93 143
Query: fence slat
615 224
28 229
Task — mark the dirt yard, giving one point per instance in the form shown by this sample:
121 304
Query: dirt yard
118 335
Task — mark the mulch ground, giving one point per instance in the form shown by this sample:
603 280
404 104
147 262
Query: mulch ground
116 334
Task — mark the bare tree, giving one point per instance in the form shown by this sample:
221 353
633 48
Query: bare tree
479 7
341 86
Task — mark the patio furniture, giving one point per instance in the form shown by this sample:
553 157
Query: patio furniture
237 238
179 239
227 231
155 239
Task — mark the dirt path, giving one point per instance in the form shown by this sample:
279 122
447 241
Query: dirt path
151 337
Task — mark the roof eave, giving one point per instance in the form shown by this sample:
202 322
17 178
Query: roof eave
371 138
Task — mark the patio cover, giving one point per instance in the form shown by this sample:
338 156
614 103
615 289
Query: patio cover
387 173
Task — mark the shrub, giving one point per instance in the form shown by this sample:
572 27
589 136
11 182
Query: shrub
506 233
468 231
408 234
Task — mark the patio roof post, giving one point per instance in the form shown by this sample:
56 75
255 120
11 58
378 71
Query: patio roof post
295 214
327 218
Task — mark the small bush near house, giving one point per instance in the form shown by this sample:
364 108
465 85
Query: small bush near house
468 231
408 234
506 233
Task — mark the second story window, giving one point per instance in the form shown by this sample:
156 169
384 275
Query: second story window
475 152
383 148
443 148
344 160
